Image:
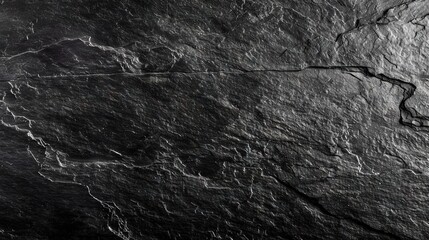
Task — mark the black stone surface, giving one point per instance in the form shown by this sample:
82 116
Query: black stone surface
214 119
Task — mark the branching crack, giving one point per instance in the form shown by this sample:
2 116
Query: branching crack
408 116
381 20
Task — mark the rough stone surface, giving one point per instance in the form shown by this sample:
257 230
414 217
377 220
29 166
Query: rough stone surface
191 119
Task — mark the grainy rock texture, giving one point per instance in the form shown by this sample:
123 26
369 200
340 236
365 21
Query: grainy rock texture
214 119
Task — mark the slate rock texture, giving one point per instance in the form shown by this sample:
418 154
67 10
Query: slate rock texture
190 119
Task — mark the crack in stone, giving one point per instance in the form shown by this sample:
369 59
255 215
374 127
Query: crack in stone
378 21
314 202
408 117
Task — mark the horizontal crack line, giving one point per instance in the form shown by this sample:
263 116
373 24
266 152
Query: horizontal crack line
408 116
